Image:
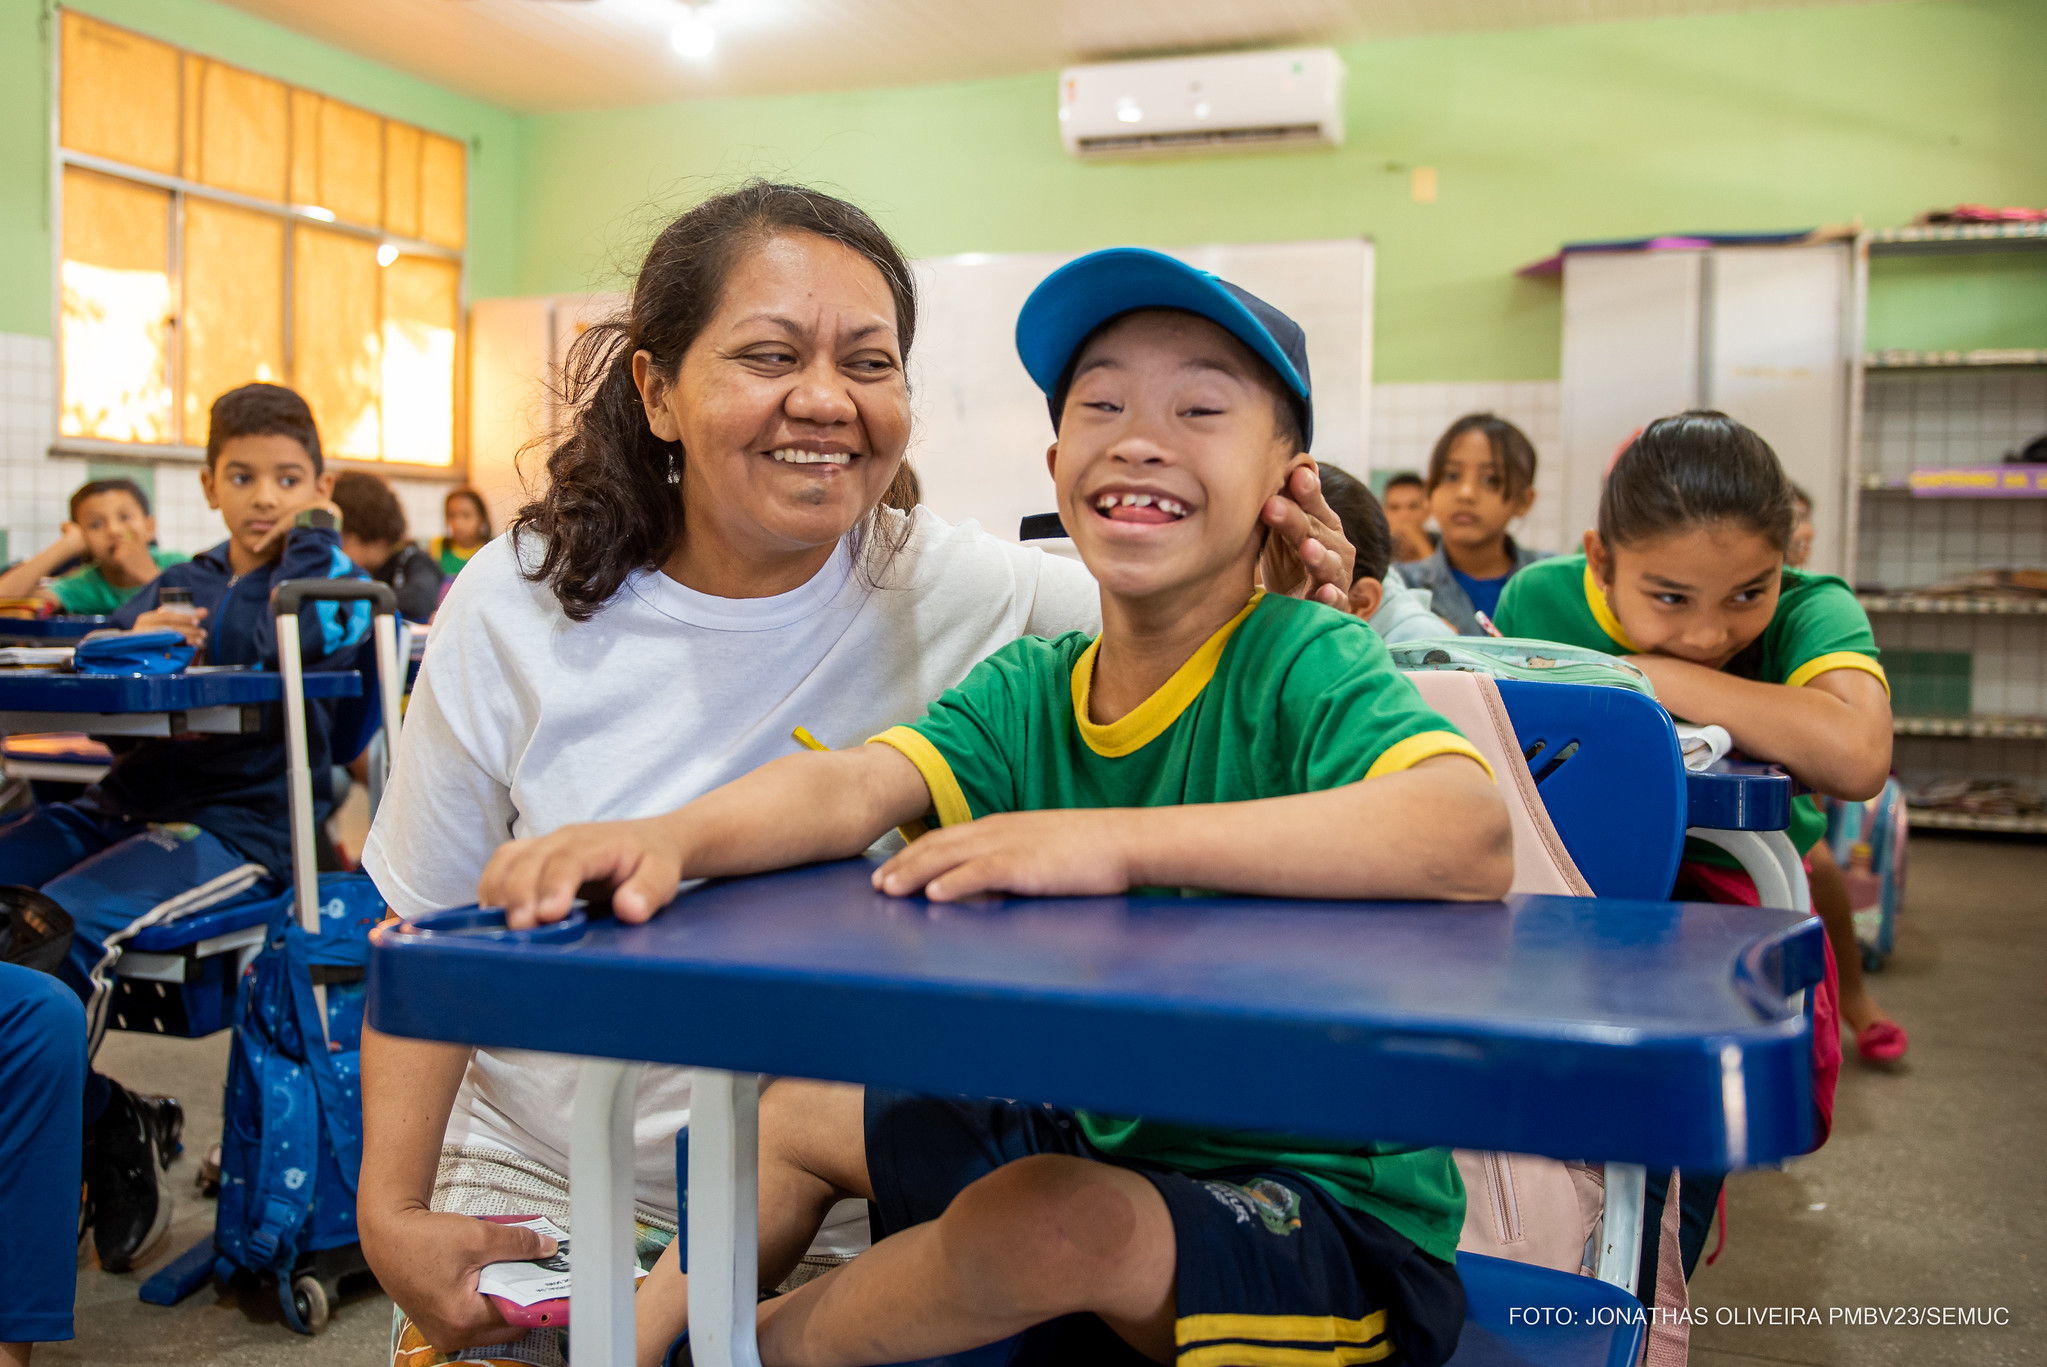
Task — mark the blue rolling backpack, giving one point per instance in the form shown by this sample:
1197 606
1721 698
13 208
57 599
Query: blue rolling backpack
291 1137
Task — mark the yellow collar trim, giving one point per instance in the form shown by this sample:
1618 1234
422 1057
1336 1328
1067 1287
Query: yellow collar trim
1595 598
1147 721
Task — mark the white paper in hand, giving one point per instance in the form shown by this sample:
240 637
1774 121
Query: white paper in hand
529 1283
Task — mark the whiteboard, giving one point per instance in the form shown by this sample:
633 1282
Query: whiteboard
981 429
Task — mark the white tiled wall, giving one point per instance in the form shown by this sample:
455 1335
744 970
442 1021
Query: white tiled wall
1918 419
1407 419
35 487
1911 543
2008 671
1920 759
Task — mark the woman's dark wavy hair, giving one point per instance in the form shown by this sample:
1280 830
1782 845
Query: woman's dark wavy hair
1693 470
613 505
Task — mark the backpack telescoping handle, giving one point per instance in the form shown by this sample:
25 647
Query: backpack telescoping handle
286 600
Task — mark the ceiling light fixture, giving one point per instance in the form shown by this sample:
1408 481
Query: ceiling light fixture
693 37
386 254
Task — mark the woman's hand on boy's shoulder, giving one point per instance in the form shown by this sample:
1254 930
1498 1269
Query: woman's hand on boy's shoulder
1071 853
1307 556
538 880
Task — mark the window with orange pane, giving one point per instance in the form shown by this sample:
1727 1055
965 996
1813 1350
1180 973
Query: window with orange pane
221 227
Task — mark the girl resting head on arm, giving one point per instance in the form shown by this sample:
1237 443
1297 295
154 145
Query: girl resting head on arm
1687 571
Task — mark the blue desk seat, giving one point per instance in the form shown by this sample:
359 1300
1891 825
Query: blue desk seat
179 978
70 757
1513 1314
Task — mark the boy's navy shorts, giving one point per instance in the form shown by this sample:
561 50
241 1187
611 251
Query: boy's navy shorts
1269 1263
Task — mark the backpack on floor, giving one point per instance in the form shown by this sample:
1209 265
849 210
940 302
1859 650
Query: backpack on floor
1868 840
291 1135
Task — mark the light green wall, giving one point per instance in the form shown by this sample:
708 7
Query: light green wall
1765 120
1757 121
26 36
1959 302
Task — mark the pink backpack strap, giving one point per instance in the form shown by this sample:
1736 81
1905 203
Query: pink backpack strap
1669 1341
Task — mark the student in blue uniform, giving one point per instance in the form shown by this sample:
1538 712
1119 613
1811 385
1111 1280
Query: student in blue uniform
1481 477
187 823
1208 725
42 1066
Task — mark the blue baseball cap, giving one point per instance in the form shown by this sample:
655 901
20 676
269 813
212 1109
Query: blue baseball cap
1083 294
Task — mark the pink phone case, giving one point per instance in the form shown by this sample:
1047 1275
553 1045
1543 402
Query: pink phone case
539 1315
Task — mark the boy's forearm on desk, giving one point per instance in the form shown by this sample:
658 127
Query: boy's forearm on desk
798 810
1436 831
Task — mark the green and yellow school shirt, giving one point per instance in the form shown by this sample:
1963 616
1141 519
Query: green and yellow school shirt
1288 697
86 593
1818 627
451 557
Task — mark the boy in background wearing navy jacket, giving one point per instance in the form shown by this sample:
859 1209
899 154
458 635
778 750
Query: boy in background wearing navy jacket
185 824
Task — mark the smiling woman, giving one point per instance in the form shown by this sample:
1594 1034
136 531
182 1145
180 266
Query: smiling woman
728 550
680 392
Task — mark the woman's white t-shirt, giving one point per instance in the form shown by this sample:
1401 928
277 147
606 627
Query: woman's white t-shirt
524 721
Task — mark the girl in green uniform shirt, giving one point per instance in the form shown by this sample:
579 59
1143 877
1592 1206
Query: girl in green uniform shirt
468 531
1686 572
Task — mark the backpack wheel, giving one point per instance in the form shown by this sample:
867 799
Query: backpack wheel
309 1298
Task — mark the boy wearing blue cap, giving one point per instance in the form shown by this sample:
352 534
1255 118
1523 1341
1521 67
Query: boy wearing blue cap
1209 726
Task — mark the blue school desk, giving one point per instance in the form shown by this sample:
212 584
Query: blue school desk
54 757
219 701
48 631
180 976
1652 1032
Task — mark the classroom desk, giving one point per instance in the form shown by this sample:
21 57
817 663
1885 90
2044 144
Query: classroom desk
217 701
1744 807
1737 795
54 756
48 631
1642 1031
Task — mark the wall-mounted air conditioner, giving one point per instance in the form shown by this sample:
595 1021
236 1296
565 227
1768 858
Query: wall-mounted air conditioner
1203 104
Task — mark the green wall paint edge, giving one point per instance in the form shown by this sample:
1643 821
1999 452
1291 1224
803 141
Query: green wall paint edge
1753 121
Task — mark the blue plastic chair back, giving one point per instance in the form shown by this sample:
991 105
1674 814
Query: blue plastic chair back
1607 764
1516 1315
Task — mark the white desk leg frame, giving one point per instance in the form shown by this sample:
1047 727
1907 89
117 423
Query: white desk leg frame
601 1213
1620 1236
1771 860
724 1217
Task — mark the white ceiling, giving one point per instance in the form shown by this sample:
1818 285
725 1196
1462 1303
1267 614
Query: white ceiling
546 55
